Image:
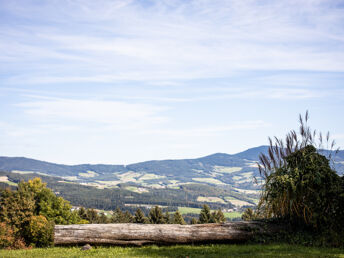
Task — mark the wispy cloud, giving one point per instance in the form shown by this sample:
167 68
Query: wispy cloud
158 41
119 115
209 130
156 78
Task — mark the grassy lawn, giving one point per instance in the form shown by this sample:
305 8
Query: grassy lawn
272 250
232 215
229 215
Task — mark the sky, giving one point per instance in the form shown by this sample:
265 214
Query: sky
118 82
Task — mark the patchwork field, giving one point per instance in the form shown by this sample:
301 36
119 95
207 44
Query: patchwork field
4 179
136 189
89 174
210 199
246 191
208 180
228 215
222 169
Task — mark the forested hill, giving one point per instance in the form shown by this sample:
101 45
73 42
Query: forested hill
220 159
220 180
235 170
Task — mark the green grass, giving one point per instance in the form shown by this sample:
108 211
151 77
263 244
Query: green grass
271 250
208 180
232 215
185 210
136 189
228 215
222 169
210 199
89 174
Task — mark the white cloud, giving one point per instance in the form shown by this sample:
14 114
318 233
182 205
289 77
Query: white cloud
104 114
164 41
204 131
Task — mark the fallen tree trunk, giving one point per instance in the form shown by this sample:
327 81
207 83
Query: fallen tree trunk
139 234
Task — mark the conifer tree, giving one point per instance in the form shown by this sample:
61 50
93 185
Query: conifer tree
194 221
103 219
167 217
156 216
248 215
213 218
178 218
220 217
204 216
118 216
82 213
92 216
127 217
139 217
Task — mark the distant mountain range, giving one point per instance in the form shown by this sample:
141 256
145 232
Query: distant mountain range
220 180
236 170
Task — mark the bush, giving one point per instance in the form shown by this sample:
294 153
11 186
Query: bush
39 231
6 235
30 214
8 239
300 187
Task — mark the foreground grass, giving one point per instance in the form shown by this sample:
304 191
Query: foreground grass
271 250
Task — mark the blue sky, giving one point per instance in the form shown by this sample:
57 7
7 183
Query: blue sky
85 81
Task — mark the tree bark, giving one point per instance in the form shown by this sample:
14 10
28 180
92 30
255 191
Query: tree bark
139 234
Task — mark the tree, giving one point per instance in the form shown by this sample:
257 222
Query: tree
118 216
156 216
128 218
248 214
178 218
32 210
92 216
139 217
167 217
204 216
16 209
219 217
54 208
194 221
39 231
103 219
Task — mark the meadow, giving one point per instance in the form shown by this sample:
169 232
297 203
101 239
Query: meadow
218 250
228 215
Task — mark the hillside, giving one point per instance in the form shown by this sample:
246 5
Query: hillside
220 179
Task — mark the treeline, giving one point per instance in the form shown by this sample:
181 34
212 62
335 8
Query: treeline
155 216
29 213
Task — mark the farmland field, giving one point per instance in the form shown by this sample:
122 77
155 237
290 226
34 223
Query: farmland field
210 199
209 180
271 250
228 215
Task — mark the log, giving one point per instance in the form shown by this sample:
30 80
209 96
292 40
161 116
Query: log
140 234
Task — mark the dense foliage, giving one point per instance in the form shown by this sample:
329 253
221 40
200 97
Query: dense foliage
300 187
206 216
32 210
304 190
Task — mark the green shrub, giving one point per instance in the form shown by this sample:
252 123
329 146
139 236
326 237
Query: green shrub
8 239
39 232
6 235
301 189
